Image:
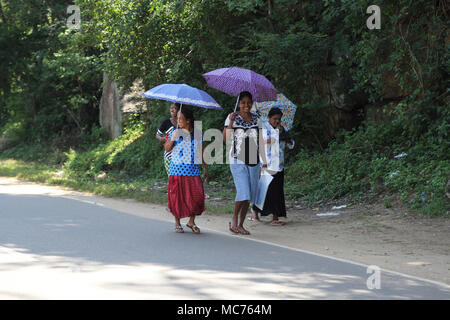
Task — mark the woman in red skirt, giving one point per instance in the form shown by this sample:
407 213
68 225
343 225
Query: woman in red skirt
185 192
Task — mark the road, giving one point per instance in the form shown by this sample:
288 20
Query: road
54 246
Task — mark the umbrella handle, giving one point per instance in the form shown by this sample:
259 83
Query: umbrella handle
235 106
181 106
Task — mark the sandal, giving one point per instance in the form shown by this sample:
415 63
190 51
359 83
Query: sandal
194 228
277 223
253 218
234 230
179 229
243 231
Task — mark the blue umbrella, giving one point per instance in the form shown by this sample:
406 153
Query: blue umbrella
183 94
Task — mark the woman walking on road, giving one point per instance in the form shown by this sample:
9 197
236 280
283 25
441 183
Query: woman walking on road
186 198
242 129
275 138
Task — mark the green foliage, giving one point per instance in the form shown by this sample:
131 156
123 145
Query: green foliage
51 81
364 166
125 153
320 54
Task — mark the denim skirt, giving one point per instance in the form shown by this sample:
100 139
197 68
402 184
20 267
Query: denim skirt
245 180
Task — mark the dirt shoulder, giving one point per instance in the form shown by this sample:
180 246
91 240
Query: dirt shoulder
386 238
392 239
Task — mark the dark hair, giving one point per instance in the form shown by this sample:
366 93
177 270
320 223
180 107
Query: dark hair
177 105
275 111
245 94
188 114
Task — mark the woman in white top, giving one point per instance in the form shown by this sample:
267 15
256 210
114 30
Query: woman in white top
242 129
275 139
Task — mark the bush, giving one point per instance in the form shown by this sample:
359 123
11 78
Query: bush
365 166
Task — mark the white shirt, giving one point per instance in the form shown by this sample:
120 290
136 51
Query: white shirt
274 151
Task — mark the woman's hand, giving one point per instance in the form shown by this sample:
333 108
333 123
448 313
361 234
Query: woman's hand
168 146
175 135
232 117
226 131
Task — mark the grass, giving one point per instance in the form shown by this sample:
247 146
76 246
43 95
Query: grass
110 186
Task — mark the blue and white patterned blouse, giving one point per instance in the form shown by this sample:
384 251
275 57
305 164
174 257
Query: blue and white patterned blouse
186 155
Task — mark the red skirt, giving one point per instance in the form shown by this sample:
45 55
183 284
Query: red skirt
186 196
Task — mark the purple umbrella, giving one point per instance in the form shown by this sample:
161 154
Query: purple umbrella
234 80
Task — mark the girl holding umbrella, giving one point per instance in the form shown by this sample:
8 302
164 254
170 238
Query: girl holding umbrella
185 193
247 85
243 129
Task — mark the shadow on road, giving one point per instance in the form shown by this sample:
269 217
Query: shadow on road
64 233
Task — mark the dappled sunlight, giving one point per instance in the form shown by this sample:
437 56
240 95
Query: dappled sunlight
36 276
57 247
16 187
60 277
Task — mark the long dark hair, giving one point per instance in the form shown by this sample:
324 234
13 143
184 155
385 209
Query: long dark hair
189 115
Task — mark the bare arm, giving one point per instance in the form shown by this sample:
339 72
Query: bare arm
168 146
227 130
226 134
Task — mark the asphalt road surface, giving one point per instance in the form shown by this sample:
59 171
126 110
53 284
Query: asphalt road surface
55 247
